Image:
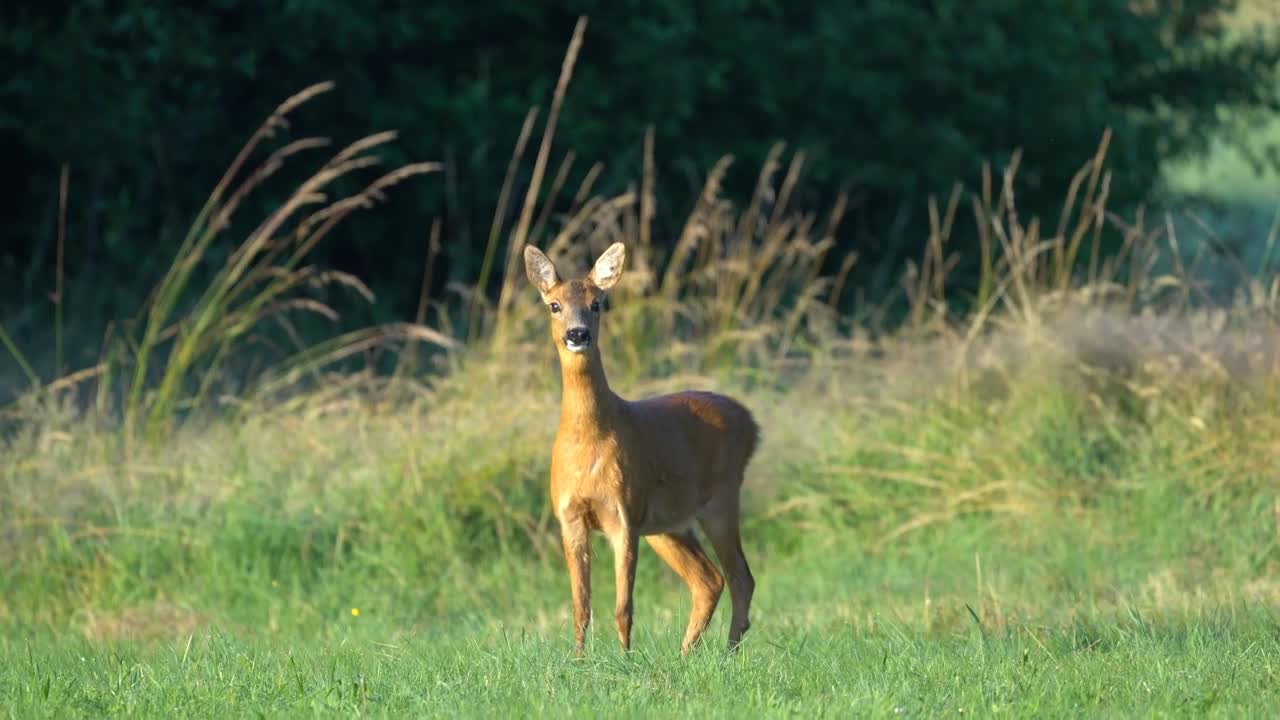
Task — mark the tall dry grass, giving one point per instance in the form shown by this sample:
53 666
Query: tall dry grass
188 334
738 301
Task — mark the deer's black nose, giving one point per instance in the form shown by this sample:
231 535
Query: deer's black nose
578 336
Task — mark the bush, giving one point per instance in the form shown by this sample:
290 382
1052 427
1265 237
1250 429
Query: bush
892 100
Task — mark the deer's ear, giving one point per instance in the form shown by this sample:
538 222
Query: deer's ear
608 268
541 271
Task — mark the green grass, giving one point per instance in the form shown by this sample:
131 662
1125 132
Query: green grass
1211 665
1156 595
954 622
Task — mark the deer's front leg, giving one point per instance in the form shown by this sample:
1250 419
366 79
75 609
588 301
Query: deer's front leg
577 555
624 541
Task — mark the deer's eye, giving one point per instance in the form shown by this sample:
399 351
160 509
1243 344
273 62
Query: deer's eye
555 307
595 306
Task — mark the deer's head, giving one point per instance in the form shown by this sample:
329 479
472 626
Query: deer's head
574 304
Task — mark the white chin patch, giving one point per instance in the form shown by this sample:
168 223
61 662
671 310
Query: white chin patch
576 348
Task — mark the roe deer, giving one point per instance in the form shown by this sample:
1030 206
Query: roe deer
641 468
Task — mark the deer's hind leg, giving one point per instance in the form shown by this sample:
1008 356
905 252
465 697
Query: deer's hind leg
719 521
685 555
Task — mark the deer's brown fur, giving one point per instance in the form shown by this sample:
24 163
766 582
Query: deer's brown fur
649 468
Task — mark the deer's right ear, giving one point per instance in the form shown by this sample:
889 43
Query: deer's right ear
608 267
541 271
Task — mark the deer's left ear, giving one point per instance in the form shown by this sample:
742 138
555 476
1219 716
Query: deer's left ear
608 268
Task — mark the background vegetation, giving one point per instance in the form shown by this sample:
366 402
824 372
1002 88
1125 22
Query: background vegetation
890 102
1038 479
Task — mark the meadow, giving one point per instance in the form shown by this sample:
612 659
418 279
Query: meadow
1059 500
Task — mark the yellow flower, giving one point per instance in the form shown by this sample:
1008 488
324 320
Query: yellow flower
355 612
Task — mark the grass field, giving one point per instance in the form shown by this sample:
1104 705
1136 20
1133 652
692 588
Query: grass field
1024 550
1061 503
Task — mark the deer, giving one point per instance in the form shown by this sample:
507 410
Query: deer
650 468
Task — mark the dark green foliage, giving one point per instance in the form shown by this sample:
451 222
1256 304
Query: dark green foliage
147 103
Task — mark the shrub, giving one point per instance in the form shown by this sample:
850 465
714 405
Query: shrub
892 100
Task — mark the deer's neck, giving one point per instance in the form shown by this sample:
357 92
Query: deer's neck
587 405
